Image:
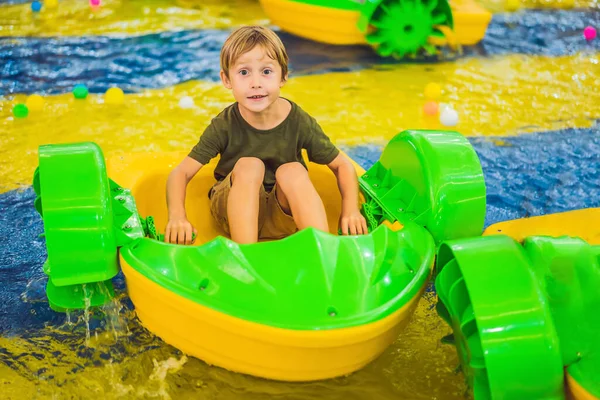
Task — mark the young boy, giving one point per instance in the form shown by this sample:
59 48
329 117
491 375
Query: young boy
263 189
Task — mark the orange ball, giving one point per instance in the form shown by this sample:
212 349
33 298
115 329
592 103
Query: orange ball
431 108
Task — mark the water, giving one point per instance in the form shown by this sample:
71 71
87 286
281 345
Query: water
163 59
528 102
57 360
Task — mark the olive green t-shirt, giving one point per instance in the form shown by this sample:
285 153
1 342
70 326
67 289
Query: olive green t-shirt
233 138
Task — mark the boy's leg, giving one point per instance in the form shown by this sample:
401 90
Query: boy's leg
296 193
243 202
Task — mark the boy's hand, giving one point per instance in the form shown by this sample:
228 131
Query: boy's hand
353 222
179 230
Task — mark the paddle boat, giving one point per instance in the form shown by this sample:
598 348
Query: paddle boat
395 28
311 306
523 301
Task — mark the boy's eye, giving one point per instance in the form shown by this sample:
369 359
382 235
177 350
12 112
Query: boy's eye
244 72
267 72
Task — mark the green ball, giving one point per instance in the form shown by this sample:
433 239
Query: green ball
20 110
80 91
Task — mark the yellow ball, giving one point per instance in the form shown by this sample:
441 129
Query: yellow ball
433 91
114 96
512 5
51 3
567 4
35 102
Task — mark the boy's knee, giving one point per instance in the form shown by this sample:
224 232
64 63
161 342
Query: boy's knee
249 169
290 172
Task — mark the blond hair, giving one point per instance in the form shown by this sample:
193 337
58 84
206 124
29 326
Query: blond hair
244 39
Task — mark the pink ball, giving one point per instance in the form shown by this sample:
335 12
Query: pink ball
94 3
589 33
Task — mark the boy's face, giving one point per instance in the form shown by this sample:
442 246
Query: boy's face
255 80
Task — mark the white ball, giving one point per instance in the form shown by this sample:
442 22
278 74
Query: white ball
186 102
449 117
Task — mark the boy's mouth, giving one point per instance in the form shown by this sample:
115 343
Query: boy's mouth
257 97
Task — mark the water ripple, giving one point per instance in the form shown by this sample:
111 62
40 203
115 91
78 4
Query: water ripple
55 65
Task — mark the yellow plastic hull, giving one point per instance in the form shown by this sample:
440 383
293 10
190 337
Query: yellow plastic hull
577 392
335 26
260 350
224 340
583 223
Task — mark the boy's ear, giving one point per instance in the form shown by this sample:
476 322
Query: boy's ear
225 80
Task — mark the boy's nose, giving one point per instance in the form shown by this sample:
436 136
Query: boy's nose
255 83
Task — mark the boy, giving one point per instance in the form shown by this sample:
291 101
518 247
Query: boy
263 189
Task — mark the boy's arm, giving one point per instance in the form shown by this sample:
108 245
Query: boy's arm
179 229
351 220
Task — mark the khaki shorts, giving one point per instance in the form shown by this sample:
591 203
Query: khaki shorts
273 222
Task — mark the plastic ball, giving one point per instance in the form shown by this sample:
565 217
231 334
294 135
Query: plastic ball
80 91
20 110
95 3
449 117
114 96
433 91
590 33
36 6
512 5
186 102
51 3
431 108
35 102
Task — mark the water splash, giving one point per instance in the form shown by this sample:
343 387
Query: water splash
112 311
158 377
86 314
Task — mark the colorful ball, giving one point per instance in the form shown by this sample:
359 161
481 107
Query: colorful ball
114 96
433 91
35 102
431 108
36 6
95 3
449 117
512 5
51 3
80 91
567 3
20 110
186 102
590 33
